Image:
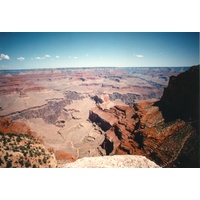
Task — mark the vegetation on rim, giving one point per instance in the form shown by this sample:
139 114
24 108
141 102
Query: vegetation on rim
22 150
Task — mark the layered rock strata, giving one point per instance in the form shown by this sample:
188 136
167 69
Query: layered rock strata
163 131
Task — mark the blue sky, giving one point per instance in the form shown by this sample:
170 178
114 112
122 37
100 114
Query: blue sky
81 49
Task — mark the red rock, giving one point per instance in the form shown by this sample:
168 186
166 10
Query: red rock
8 126
20 147
144 129
64 156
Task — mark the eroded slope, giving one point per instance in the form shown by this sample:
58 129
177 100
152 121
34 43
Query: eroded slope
22 149
161 131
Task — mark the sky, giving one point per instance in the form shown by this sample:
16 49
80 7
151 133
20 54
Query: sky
30 50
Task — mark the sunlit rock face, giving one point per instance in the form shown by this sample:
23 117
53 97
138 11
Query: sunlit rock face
122 161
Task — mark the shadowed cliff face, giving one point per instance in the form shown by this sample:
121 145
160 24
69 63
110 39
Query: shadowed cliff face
180 100
181 97
165 132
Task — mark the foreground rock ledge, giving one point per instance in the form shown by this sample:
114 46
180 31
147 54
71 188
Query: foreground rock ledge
116 161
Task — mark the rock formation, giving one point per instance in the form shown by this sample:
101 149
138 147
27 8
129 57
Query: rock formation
125 161
19 147
63 157
161 131
87 112
181 97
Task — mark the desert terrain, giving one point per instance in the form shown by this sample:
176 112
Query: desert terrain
79 113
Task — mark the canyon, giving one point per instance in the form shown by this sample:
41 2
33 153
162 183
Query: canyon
79 113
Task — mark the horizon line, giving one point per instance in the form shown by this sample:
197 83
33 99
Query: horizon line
42 68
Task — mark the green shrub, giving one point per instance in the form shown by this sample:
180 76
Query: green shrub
31 154
6 158
34 166
25 153
40 161
44 160
18 139
9 164
27 164
1 161
21 162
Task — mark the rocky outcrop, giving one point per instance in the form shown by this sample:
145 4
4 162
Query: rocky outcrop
64 157
131 98
142 131
125 161
128 98
181 97
171 139
8 126
164 142
118 124
98 119
19 148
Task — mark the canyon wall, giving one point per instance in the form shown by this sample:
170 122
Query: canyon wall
166 131
78 113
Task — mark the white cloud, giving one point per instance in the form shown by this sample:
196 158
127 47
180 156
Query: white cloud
21 58
57 56
139 56
4 57
39 58
86 54
75 57
42 58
